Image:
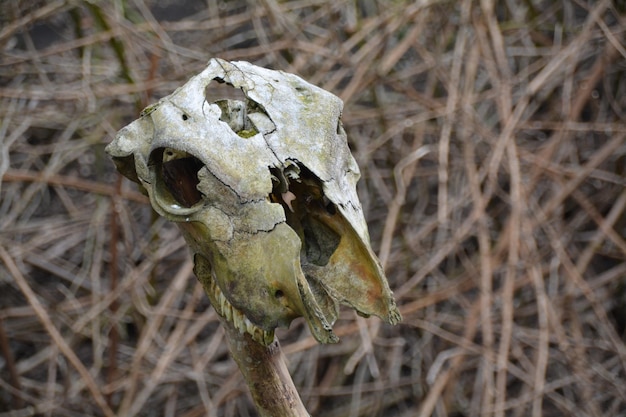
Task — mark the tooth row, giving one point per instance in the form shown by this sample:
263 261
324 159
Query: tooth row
225 309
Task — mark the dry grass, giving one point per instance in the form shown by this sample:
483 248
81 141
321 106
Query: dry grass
491 142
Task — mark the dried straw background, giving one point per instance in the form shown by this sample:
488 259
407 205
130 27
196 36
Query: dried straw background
491 138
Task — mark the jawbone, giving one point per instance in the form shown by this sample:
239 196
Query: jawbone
225 309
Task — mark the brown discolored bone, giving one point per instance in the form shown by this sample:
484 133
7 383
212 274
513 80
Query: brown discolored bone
264 189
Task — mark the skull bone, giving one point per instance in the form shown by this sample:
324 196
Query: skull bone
264 190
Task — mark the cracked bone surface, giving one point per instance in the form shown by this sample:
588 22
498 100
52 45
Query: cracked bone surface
264 190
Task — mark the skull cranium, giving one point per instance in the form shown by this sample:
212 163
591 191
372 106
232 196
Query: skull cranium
264 191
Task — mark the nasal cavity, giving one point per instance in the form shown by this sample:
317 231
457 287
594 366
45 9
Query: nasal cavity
177 176
235 107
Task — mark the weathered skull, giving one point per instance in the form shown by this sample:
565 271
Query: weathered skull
264 191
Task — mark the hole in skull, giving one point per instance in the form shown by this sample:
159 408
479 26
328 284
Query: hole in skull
307 210
330 207
222 90
279 294
235 107
177 176
185 117
320 241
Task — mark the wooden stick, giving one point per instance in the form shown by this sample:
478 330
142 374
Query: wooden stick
263 367
265 373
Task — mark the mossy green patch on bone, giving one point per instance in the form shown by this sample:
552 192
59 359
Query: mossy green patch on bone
247 133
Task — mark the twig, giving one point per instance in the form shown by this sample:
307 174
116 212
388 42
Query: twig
114 335
265 372
15 175
14 377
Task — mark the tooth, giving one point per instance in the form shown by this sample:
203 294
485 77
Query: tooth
224 305
250 328
257 335
268 337
238 322
225 309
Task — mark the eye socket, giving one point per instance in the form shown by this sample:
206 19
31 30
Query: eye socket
176 177
307 210
235 107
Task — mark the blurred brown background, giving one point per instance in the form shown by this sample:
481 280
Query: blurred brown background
490 136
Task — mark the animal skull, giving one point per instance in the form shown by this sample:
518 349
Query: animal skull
264 191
